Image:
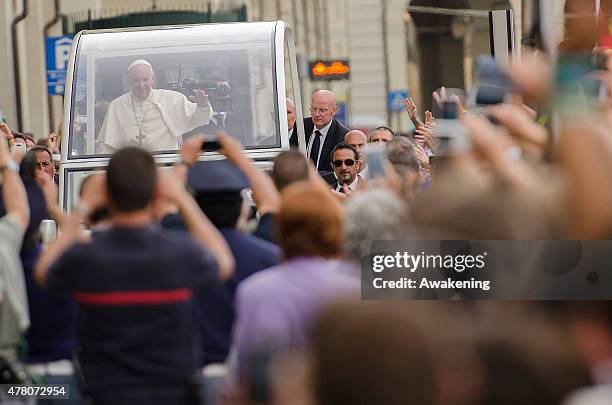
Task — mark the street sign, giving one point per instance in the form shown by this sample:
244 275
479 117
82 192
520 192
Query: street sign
395 101
342 115
57 50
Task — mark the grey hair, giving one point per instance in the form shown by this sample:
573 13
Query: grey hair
372 215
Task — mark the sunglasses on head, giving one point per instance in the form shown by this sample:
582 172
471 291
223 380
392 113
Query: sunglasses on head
348 162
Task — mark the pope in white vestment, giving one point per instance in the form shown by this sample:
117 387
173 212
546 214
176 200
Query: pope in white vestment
152 118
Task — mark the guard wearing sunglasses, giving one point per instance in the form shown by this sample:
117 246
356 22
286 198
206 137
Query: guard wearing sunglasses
345 164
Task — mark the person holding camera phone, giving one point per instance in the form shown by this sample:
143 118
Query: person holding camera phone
151 118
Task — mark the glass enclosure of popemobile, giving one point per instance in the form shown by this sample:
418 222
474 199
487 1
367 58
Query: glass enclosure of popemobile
155 87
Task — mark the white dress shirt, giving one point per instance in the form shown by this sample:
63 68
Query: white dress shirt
352 186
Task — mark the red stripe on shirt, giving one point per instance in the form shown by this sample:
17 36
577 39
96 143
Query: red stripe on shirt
151 297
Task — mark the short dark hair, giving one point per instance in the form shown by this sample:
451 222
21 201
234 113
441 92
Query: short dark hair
40 148
343 145
28 166
131 178
345 371
289 166
223 209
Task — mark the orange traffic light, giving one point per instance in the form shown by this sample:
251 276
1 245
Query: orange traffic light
319 69
329 70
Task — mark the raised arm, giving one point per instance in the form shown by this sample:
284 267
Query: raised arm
265 195
13 193
413 112
6 133
71 233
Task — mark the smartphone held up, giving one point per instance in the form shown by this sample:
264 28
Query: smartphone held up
211 143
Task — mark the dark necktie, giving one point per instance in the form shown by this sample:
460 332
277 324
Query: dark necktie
314 149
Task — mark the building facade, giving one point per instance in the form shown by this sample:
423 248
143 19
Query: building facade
390 48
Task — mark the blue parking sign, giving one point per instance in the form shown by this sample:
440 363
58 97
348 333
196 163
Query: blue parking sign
57 51
342 115
395 102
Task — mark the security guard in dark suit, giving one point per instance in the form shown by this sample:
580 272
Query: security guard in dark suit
323 132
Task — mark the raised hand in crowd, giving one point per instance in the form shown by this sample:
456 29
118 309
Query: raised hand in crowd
424 136
440 95
533 76
13 191
7 134
189 153
531 136
585 155
17 153
424 166
413 112
490 145
52 141
50 192
429 119
71 233
265 194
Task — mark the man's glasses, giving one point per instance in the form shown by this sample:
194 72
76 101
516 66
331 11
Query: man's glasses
314 110
347 162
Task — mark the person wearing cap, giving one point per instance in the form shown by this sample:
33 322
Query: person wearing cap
151 118
219 188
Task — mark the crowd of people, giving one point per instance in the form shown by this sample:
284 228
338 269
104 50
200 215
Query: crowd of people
216 282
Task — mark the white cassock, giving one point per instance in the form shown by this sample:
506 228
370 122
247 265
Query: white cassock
156 123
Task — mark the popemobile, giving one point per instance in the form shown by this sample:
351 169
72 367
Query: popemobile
154 87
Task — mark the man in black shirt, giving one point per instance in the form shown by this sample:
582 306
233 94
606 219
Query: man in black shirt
134 283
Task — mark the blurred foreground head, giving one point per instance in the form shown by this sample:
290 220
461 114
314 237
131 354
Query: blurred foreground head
456 206
289 166
91 186
402 156
528 357
310 222
131 178
376 214
392 353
